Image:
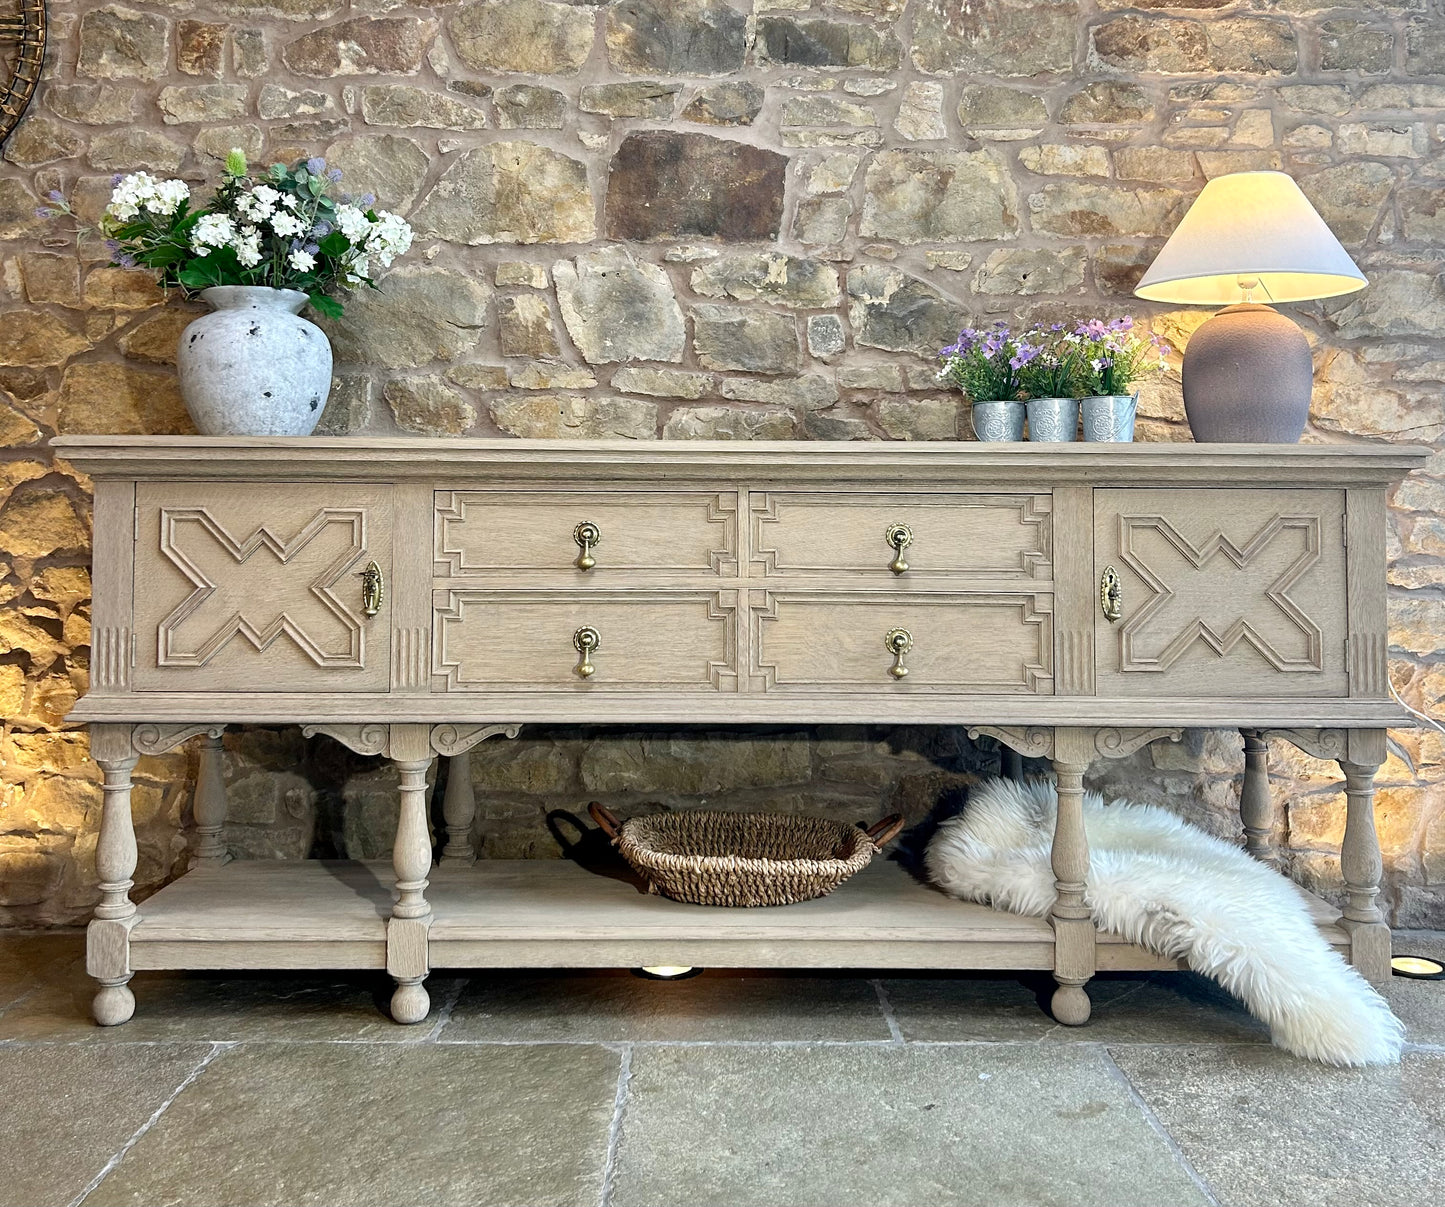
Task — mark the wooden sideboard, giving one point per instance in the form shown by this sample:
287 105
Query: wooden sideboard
411 598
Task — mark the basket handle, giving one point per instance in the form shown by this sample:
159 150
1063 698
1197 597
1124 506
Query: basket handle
606 819
885 830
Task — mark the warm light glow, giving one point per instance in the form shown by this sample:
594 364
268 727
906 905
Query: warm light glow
1250 236
1418 967
667 972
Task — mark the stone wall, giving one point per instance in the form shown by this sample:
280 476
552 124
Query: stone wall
696 218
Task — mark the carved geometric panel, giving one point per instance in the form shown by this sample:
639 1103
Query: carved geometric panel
1224 592
978 536
645 533
670 639
256 588
833 641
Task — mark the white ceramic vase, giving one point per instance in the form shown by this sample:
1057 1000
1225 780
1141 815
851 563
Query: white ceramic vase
254 367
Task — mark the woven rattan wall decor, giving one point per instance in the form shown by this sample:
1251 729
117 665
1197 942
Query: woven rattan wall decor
22 52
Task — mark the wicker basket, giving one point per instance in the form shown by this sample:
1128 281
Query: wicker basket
743 858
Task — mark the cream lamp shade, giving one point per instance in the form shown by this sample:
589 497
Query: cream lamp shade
1250 236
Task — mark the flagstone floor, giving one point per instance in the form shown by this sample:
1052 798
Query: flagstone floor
736 1089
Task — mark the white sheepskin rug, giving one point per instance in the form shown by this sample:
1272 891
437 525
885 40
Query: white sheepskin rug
1177 891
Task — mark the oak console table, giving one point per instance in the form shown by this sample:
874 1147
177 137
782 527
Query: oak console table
411 598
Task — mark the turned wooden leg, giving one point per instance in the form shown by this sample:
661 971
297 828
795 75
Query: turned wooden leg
107 940
1256 805
459 807
1360 861
210 805
1073 927
411 915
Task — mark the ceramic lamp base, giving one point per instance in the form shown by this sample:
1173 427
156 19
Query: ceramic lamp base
1248 377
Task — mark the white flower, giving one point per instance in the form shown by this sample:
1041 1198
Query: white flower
167 197
302 261
390 237
130 194
266 196
353 223
288 201
285 224
213 230
248 247
358 269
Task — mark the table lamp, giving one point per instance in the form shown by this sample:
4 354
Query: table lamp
1249 238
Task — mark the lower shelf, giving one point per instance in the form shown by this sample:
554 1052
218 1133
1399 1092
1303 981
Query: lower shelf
547 913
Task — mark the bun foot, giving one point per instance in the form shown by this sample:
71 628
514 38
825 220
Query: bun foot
1070 1005
410 1003
113 1005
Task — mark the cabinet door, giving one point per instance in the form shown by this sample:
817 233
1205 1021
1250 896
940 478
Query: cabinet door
248 587
1222 592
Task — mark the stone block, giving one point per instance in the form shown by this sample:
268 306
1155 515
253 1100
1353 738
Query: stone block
1023 271
812 391
730 104
362 46
1102 209
822 220
1107 102
1066 159
745 339
730 423
91 104
530 107
39 140
770 277
675 37
428 406
994 37
939 196
200 47
534 36
1356 46
569 417
405 105
524 326
662 383
632 99
617 308
120 43
822 42
918 418
420 313
663 184
899 313
826 337
509 192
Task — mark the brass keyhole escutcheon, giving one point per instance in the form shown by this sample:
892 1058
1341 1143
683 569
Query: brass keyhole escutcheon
373 589
584 641
899 537
1111 594
588 536
898 642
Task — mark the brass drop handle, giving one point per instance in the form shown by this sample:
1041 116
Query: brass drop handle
898 642
373 589
584 641
588 536
899 537
1111 594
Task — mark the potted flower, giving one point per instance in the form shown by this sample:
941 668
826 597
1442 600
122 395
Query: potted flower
1113 358
1050 380
261 249
985 365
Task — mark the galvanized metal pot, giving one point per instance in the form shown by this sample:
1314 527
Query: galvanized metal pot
1002 420
1053 420
1110 417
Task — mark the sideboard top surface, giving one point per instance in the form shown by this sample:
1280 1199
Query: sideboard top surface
395 458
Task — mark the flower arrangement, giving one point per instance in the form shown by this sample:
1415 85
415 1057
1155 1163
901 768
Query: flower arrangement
283 229
1095 358
986 364
1113 357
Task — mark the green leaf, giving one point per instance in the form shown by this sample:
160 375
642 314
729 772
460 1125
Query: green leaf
194 277
326 307
335 244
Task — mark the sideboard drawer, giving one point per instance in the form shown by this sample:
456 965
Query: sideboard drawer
822 641
799 534
257 587
485 533
666 640
1222 592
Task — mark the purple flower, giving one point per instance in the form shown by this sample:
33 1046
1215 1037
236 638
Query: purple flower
113 246
316 165
56 196
334 175
1025 353
116 179
366 200
126 261
42 212
311 249
321 229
